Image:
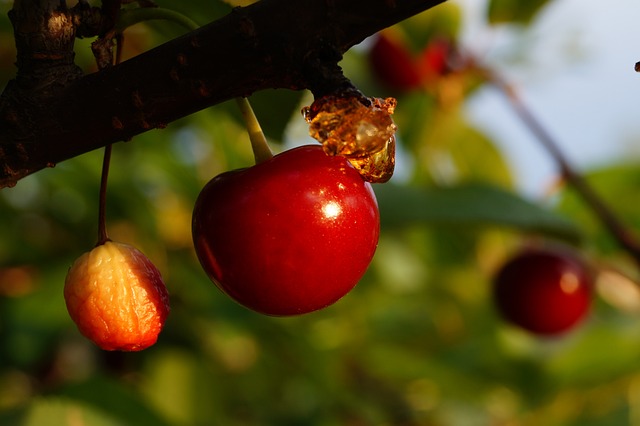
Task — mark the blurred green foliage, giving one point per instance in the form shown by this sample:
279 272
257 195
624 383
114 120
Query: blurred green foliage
514 11
416 343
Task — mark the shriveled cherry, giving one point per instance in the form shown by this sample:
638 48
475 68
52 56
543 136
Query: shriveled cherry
546 291
290 235
117 297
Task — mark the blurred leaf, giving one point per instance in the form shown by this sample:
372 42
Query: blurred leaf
177 384
442 21
470 204
514 11
110 396
471 152
242 3
416 117
446 147
12 417
614 185
585 363
63 412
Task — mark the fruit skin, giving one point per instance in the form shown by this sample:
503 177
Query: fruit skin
289 235
117 297
396 67
546 291
431 63
393 64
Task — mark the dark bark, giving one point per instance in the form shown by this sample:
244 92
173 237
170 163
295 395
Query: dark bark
271 44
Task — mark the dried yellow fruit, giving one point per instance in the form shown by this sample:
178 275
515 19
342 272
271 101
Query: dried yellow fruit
117 297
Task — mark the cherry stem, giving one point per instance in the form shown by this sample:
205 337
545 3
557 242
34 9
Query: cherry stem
129 17
103 237
604 213
259 145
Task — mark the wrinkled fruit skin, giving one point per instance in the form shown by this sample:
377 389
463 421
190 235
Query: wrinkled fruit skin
545 291
290 235
116 297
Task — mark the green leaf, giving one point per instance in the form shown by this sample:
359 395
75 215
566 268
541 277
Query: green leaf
61 411
442 21
446 148
583 362
113 397
514 11
470 151
616 185
241 3
469 204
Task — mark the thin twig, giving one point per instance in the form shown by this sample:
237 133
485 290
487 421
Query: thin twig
599 207
103 237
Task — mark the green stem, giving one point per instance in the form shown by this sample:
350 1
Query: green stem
259 145
129 17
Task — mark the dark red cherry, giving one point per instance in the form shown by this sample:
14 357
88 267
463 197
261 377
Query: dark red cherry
545 291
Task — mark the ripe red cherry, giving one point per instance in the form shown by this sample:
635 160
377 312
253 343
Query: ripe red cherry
545 291
393 64
290 235
432 64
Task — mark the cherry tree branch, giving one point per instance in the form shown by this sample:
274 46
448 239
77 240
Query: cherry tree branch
271 44
598 206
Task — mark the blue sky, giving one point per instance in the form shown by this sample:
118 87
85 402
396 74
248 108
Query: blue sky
574 68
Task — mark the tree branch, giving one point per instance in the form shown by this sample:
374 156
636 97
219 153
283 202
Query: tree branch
612 223
270 44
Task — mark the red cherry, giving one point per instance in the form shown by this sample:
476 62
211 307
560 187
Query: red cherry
545 291
393 64
290 235
432 61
